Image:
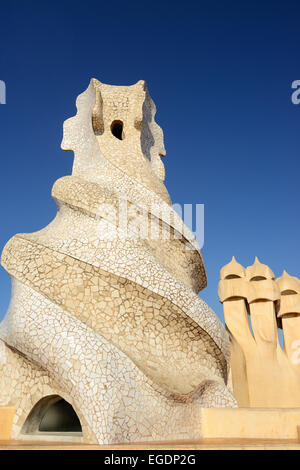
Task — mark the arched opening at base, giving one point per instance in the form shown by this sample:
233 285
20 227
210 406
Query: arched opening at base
52 416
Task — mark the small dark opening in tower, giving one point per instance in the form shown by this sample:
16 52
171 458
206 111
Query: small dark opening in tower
117 129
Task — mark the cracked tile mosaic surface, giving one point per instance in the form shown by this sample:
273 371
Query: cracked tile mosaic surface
100 315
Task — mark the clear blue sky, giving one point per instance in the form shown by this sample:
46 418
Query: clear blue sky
220 73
